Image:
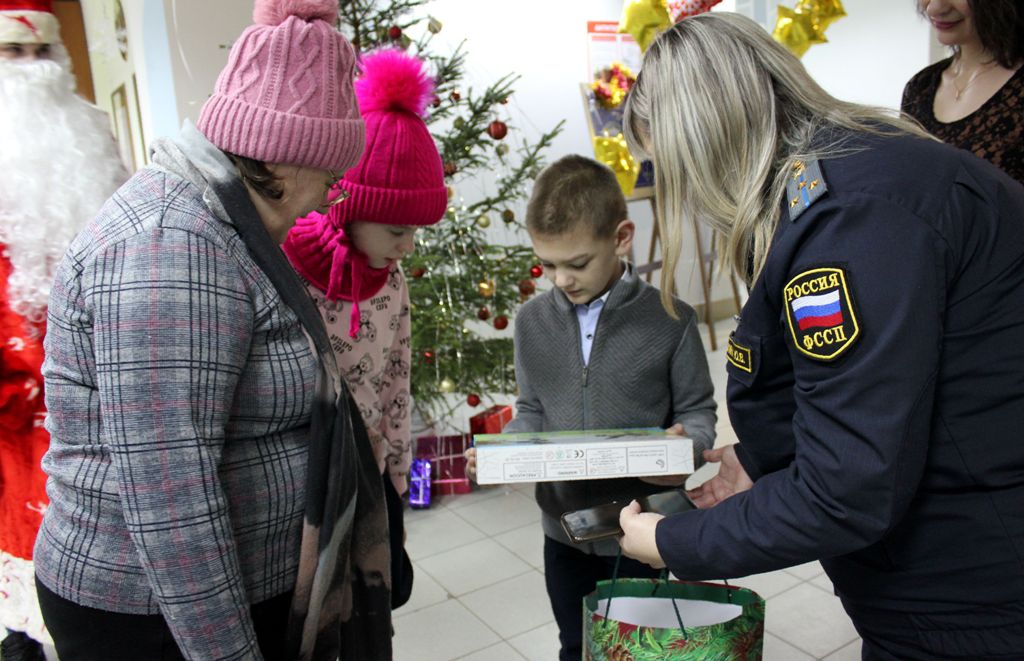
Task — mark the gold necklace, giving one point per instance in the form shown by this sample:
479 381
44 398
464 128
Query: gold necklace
959 91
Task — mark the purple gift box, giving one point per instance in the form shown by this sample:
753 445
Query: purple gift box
419 484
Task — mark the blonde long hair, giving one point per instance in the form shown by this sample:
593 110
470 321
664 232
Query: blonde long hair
724 112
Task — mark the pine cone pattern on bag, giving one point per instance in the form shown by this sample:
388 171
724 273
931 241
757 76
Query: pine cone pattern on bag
739 639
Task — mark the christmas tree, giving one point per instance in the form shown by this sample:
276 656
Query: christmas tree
458 280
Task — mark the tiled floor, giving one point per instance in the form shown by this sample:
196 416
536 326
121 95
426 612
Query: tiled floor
479 588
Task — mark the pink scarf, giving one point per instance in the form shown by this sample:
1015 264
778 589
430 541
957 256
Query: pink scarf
322 252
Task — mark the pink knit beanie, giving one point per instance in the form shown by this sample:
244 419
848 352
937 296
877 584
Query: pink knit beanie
400 179
286 94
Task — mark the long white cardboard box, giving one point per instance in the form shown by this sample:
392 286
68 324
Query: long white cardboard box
581 455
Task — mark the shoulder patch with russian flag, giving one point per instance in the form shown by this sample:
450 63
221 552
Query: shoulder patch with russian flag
820 313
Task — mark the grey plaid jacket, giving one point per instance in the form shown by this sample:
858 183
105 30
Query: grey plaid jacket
179 391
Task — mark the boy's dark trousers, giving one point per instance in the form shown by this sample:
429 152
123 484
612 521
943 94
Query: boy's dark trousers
570 575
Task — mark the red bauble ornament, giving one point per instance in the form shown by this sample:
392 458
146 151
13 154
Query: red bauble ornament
395 33
501 322
536 270
418 272
527 287
497 129
483 313
473 399
455 96
450 168
428 357
508 216
437 101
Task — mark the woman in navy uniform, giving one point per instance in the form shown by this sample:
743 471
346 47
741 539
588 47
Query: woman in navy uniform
876 377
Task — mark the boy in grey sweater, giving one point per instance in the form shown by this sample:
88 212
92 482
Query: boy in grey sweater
598 351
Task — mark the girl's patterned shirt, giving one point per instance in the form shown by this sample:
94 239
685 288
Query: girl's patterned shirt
376 366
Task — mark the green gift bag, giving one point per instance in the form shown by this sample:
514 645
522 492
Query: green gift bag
647 620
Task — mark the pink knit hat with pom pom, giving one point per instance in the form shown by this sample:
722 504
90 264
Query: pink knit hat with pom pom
286 93
400 179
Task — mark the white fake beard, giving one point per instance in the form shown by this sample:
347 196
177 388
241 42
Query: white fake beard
58 165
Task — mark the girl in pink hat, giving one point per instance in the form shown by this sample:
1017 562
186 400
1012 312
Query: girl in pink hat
350 259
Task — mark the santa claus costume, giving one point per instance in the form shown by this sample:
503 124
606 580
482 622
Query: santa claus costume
58 164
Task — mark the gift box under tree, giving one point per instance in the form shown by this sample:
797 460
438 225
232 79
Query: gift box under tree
447 463
491 421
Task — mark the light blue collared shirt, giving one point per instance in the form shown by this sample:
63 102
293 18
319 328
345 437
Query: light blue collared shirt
589 313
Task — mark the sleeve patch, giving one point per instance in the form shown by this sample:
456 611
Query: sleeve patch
820 312
739 356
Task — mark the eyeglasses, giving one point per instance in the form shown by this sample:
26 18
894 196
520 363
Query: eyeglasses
335 189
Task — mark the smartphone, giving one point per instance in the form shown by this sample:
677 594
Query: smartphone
602 521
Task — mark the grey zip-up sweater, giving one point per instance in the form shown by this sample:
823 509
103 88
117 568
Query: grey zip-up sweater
646 369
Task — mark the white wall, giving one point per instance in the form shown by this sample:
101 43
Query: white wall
200 34
872 52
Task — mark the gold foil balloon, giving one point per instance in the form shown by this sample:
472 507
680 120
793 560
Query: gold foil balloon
644 19
613 152
803 26
796 31
486 288
823 12
446 385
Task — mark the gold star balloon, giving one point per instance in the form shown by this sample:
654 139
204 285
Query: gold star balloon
803 26
796 31
644 19
823 12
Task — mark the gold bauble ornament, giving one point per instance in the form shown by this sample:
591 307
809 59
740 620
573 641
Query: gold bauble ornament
446 385
434 25
483 222
486 288
451 192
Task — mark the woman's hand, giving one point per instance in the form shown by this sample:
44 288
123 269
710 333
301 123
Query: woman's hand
731 479
638 540
669 480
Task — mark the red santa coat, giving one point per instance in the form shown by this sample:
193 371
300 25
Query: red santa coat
23 440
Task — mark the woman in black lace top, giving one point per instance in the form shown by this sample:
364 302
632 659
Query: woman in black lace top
975 99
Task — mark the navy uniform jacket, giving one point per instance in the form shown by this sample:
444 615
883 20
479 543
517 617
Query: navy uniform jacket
876 384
